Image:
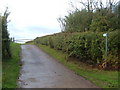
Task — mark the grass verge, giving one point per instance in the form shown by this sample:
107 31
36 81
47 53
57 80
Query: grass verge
10 68
103 79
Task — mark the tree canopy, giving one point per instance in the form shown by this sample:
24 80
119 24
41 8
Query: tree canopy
93 17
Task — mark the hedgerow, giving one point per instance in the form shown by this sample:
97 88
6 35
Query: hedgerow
88 47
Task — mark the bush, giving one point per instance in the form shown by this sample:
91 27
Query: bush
88 47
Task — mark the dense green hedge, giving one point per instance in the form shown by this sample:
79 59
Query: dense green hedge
5 36
88 47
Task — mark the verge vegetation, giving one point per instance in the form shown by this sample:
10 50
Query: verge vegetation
10 67
10 55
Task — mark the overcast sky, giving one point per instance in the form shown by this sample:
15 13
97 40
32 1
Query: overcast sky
34 18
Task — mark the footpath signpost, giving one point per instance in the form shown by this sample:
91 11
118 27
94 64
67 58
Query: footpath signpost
106 44
106 50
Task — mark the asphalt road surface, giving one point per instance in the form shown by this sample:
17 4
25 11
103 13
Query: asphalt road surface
39 70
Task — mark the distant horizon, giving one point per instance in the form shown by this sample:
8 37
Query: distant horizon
31 19
24 41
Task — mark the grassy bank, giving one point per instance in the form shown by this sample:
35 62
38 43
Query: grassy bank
104 79
10 68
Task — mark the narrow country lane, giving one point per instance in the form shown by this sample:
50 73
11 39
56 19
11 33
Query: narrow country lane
39 70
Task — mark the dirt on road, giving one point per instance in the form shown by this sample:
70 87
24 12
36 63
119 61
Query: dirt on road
39 70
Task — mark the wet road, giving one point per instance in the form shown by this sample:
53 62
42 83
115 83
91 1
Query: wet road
39 70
